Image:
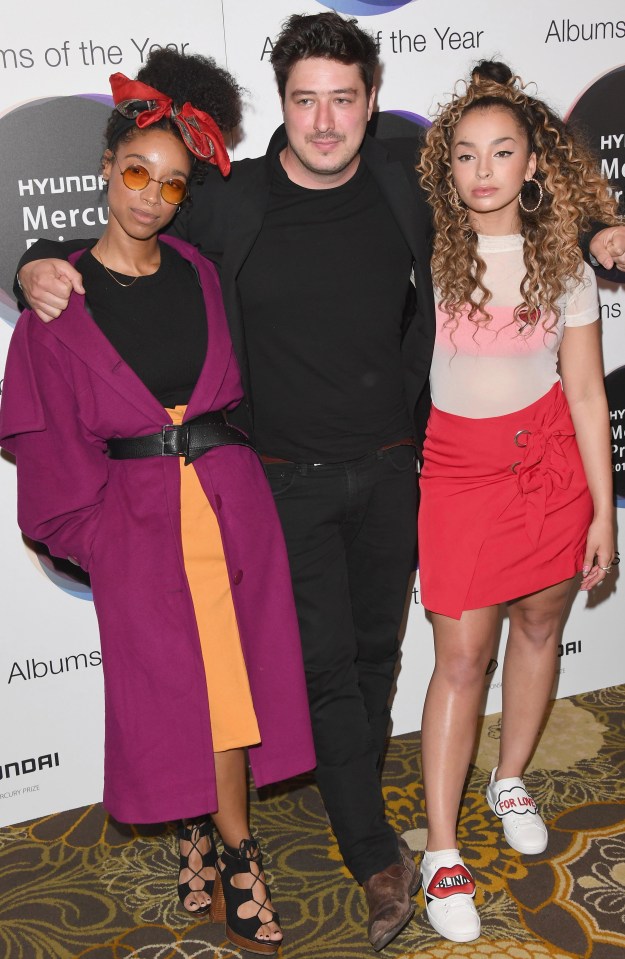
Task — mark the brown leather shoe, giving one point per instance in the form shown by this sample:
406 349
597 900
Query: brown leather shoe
388 897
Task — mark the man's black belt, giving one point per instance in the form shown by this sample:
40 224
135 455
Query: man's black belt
190 439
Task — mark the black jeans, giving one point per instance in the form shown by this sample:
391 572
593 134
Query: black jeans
350 531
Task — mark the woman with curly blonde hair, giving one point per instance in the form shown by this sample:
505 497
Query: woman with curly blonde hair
516 486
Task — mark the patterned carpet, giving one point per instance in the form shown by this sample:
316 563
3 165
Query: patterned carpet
77 885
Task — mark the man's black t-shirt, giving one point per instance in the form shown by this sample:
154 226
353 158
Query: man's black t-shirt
322 294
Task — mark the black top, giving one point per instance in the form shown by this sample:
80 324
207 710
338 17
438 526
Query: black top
157 324
225 218
323 292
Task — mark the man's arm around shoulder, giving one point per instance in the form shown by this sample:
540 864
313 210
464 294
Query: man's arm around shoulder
45 279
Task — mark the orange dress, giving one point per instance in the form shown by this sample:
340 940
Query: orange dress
233 720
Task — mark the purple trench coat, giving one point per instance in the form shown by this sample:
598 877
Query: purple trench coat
66 391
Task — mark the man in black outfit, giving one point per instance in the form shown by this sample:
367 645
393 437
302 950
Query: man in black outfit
323 252
317 242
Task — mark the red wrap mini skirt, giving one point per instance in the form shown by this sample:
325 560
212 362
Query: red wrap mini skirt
505 506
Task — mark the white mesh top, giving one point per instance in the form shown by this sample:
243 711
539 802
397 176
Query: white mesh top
490 371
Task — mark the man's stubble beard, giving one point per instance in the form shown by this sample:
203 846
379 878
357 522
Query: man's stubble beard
338 167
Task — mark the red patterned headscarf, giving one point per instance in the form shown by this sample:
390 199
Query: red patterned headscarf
144 105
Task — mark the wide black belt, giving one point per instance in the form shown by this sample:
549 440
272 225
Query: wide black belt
190 439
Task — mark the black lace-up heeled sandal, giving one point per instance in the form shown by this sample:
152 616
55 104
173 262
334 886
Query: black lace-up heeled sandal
196 882
244 910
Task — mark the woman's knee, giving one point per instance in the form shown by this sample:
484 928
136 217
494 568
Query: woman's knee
539 627
463 669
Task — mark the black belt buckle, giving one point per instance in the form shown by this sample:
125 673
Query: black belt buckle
175 440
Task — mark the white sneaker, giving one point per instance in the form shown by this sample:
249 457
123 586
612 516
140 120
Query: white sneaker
449 891
522 825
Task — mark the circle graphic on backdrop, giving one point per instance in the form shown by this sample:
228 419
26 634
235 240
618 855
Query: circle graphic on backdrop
399 124
600 113
68 577
366 8
615 389
50 154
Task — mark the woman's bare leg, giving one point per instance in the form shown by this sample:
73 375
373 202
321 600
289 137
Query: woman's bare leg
528 673
463 648
232 823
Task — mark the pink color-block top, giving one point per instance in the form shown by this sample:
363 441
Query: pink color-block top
489 370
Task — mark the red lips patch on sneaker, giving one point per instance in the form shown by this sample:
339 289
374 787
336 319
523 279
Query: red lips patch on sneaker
515 800
451 880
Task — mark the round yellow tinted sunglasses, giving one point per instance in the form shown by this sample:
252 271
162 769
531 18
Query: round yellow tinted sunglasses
136 177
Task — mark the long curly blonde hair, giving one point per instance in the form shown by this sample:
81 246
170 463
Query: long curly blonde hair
575 194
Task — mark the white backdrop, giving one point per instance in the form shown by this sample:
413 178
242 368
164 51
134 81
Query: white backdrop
51 703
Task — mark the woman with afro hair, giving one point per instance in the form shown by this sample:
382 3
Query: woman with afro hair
516 488
117 414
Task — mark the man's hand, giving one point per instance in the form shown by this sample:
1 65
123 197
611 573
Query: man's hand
608 247
47 285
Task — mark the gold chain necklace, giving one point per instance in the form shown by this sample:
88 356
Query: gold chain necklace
112 276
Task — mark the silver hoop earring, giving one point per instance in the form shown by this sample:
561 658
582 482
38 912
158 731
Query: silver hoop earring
540 196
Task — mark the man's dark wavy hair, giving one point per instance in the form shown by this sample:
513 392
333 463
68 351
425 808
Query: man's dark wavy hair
325 35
